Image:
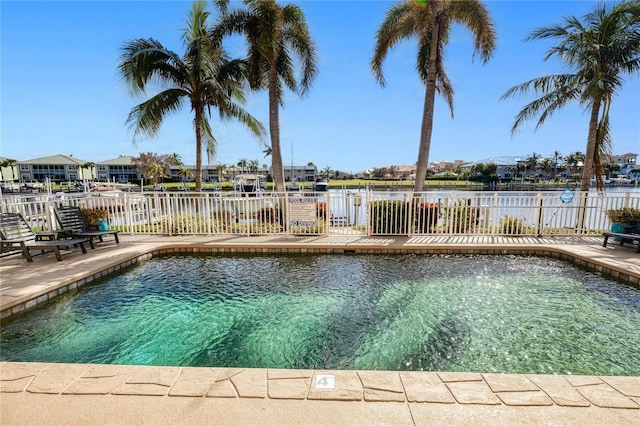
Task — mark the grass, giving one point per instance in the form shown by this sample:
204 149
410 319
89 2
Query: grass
334 183
337 184
362 183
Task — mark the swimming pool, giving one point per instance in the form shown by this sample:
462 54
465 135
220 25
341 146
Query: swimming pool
511 314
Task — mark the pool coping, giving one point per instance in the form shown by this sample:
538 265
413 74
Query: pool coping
390 397
108 394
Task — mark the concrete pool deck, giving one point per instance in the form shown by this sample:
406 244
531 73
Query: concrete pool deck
41 393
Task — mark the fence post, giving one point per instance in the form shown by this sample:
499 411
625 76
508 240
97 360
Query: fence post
540 218
368 229
128 218
168 208
206 213
582 210
327 213
493 215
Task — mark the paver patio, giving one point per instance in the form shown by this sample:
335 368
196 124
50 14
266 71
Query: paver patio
41 393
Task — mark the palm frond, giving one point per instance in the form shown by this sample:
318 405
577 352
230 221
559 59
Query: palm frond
474 16
557 91
144 61
284 67
146 118
196 23
399 24
299 39
208 139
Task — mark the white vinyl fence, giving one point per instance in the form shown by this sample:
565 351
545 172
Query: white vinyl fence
338 212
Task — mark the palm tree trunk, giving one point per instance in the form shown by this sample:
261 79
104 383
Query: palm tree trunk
588 168
590 155
274 130
427 112
198 123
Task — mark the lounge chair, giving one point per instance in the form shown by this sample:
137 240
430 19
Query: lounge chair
15 233
75 224
630 236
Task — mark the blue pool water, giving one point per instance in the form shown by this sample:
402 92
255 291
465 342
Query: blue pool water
506 314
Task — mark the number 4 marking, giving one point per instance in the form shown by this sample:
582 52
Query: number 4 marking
325 381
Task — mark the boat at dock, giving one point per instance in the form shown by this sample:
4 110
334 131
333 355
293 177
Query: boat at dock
250 183
321 186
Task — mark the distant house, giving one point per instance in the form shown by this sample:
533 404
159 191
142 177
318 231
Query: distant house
505 165
406 172
627 162
391 172
59 167
443 166
210 173
299 173
119 169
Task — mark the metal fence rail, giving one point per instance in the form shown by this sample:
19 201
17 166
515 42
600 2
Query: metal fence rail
338 212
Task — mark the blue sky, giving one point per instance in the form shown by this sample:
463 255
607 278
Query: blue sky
61 93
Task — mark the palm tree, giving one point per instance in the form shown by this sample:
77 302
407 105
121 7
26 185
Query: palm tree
89 165
275 34
520 167
242 164
546 164
430 22
176 159
573 160
556 157
155 171
253 166
532 162
327 171
599 51
184 172
204 77
8 162
219 168
611 168
511 169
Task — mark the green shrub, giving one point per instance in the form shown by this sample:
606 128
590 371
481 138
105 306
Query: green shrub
221 221
184 224
318 228
256 228
513 225
389 217
426 216
623 215
321 210
267 215
462 217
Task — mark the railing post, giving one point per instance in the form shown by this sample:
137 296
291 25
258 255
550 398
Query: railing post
582 210
327 212
207 210
367 228
168 208
540 218
493 215
128 218
414 202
